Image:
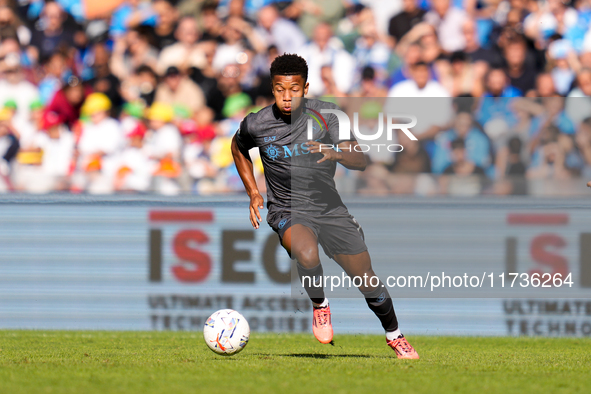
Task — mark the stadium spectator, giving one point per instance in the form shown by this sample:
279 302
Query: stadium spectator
460 164
197 155
448 20
28 130
483 58
186 52
562 74
206 78
462 77
55 69
165 139
369 85
403 22
101 137
166 23
68 101
371 51
521 68
578 104
57 145
213 58
103 80
164 146
549 158
15 87
420 85
553 17
133 167
583 140
477 145
10 22
413 159
238 35
544 86
411 56
54 34
510 168
9 144
141 86
177 88
278 31
211 22
131 14
310 14
133 51
462 176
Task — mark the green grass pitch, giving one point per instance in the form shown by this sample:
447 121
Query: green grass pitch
180 362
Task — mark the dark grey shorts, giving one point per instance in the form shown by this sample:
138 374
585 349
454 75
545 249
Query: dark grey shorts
337 233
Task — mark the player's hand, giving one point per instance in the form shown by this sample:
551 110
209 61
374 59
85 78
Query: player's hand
327 152
256 203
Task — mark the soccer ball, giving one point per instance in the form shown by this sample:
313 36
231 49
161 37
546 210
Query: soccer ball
226 332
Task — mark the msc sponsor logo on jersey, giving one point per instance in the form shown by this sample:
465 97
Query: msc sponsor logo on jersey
285 151
272 152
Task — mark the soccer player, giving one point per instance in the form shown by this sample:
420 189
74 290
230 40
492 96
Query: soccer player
304 207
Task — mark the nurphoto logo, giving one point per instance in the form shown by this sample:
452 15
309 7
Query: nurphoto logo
391 122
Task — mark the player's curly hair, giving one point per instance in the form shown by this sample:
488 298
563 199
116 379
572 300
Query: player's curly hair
289 64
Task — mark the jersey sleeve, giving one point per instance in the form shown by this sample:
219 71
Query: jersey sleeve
244 140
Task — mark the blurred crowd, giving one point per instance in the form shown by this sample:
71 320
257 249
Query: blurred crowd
144 96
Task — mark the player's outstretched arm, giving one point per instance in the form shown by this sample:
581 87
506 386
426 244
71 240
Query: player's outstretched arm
347 156
245 170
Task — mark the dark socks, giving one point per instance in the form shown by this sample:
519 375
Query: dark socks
314 286
379 301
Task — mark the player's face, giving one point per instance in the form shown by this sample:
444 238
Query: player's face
285 87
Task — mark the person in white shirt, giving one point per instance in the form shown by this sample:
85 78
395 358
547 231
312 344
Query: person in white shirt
327 50
278 31
28 130
134 167
101 138
54 144
420 84
57 144
448 21
165 139
164 145
187 52
432 104
15 87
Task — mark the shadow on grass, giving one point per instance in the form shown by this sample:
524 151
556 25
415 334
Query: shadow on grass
326 356
316 355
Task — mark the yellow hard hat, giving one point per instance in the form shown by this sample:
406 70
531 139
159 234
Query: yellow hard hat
221 152
161 111
5 114
96 102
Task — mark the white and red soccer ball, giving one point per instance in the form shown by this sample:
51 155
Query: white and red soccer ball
226 332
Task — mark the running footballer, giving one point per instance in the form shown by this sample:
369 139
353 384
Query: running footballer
304 207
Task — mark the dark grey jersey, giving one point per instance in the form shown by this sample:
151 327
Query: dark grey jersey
294 180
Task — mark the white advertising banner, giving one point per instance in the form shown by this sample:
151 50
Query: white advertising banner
141 267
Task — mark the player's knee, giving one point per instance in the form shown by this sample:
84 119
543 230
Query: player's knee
307 256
